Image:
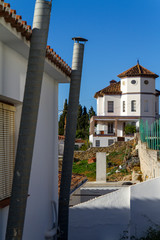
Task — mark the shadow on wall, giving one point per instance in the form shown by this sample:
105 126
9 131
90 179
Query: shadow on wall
95 221
144 214
98 223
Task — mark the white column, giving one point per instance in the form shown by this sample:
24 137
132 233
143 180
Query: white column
101 167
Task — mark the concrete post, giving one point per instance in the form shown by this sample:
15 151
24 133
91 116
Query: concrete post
77 62
101 167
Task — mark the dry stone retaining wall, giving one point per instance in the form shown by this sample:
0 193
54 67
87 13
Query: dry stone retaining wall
91 152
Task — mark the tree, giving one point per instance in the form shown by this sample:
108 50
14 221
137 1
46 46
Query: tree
91 112
83 118
79 117
63 118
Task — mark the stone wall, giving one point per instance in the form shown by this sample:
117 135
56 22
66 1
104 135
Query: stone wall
149 161
91 152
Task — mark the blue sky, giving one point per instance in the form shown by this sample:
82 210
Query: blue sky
118 31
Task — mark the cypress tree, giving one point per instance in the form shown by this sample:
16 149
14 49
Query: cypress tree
62 118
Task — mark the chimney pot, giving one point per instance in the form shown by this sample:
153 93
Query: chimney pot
113 81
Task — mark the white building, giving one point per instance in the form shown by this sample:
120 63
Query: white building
134 97
14 49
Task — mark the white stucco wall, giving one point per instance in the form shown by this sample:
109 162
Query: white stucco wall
119 129
12 78
103 140
133 209
44 173
128 87
100 106
116 100
151 105
150 87
145 211
103 218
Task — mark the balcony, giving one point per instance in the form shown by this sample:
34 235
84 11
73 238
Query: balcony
104 133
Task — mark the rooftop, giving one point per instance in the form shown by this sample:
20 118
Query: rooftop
76 181
137 71
21 26
113 89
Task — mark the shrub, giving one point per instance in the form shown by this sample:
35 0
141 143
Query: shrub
130 129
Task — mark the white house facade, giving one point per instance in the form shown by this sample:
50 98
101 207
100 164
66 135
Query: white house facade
133 98
15 37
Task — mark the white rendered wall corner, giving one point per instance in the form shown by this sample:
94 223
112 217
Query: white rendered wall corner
145 211
105 217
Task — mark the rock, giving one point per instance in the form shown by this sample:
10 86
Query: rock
91 160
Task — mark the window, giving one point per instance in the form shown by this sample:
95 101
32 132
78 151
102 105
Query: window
110 106
146 82
146 106
97 143
110 127
133 81
7 149
110 142
124 106
133 106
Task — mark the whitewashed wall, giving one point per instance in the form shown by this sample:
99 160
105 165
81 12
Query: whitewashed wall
145 211
133 209
119 129
100 106
44 174
150 87
12 78
103 140
116 100
103 218
151 105
128 87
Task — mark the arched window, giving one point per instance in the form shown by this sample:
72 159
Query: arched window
133 106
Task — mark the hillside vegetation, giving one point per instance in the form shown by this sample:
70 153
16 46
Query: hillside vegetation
121 158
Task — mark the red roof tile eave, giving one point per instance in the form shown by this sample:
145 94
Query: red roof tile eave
112 89
137 71
109 93
21 26
138 75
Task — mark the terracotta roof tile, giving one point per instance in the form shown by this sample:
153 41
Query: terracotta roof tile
112 89
21 26
136 71
76 181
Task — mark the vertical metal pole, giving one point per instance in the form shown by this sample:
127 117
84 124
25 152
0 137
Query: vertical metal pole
70 137
28 120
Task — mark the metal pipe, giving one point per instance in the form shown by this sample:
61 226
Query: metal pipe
28 120
52 233
77 63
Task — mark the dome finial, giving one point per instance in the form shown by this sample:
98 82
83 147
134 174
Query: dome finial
137 61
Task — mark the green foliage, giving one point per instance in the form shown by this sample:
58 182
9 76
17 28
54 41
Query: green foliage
63 118
82 121
130 129
82 167
151 234
86 145
91 112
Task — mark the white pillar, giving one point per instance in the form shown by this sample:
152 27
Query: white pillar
101 167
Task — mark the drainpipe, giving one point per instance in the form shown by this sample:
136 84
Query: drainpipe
28 120
71 125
